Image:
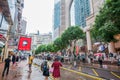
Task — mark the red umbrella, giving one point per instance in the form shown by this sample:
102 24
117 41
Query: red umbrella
98 54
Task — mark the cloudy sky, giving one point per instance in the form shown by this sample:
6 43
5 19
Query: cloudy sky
39 15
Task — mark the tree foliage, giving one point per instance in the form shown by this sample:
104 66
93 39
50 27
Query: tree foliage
50 48
73 33
59 43
107 22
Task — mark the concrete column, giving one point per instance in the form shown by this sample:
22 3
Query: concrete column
6 43
88 40
91 7
6 49
68 4
111 47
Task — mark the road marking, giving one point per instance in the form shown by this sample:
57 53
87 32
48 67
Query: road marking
82 74
95 72
70 67
115 75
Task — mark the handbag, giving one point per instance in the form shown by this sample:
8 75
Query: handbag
51 70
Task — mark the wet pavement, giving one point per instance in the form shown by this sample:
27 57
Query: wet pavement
20 72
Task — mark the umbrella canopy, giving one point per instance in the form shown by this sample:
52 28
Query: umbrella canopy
98 54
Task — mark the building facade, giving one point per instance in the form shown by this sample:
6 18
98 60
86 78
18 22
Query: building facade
6 22
41 39
56 21
23 26
82 11
94 10
64 17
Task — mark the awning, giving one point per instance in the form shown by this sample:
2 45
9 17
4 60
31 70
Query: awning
1 44
2 38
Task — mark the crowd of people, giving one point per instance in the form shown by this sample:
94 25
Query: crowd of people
83 57
13 60
58 59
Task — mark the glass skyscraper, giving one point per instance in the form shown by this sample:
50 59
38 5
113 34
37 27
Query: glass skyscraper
57 14
82 10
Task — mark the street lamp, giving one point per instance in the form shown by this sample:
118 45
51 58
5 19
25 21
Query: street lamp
117 36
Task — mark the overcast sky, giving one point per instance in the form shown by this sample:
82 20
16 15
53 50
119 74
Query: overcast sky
39 15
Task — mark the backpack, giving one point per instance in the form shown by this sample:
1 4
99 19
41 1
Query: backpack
45 68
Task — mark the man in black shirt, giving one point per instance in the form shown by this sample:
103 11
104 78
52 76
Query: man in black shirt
6 66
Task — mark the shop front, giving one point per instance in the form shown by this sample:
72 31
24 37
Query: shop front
2 46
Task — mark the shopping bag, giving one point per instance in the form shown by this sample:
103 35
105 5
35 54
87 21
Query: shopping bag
51 70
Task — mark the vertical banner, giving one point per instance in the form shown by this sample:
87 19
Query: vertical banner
24 43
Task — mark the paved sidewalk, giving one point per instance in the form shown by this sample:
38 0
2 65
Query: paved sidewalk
20 72
108 67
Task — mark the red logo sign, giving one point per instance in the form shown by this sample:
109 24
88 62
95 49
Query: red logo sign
24 43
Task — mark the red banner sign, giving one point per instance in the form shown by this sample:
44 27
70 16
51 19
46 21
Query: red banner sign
24 43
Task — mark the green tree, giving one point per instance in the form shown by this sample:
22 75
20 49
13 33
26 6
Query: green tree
59 43
107 22
50 48
73 33
41 48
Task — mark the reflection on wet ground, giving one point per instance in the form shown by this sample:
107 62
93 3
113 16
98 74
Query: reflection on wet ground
21 73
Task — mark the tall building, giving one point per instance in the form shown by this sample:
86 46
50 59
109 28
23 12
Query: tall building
19 24
82 10
23 26
56 26
57 14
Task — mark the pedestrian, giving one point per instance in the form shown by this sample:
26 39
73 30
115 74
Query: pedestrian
45 69
16 58
56 69
13 59
111 57
6 66
100 60
30 61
